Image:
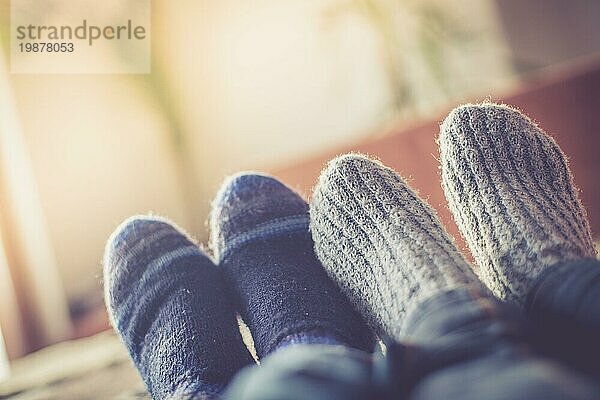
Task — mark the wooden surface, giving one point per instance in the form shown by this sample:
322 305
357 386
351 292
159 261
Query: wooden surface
565 104
97 367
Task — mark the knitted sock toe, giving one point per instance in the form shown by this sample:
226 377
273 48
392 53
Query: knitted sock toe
260 237
380 242
512 196
167 301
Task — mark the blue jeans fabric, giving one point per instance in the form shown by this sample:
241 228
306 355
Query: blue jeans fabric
564 307
461 344
472 346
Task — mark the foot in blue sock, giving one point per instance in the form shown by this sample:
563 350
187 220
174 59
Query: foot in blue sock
261 240
167 301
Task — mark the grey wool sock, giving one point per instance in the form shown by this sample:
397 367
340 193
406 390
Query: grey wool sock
512 195
380 242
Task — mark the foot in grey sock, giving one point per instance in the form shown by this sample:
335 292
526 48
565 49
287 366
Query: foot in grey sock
512 196
380 242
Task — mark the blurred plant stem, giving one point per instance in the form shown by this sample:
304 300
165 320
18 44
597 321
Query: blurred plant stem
411 32
161 91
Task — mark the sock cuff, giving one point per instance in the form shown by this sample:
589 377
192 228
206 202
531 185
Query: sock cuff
328 331
198 390
280 226
315 337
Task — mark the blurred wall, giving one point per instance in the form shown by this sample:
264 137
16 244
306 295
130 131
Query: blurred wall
100 152
33 304
546 32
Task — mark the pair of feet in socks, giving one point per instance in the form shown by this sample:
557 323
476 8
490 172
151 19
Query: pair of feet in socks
507 184
175 309
512 196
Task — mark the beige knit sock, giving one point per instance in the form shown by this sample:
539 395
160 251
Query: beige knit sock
380 242
512 196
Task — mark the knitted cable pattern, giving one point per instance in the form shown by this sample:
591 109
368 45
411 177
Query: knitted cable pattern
512 195
380 242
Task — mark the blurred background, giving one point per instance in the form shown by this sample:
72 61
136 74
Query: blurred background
235 85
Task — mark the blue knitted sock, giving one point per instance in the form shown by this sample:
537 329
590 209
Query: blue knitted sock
260 237
167 301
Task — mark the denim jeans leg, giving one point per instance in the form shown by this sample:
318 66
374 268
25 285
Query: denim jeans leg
472 346
564 306
308 372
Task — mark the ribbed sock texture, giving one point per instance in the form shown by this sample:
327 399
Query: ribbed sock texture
167 301
260 237
383 245
512 195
